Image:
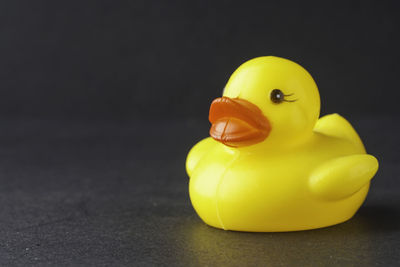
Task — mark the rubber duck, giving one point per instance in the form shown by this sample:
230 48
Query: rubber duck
270 163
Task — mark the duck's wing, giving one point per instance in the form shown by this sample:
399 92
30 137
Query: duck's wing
197 152
336 126
341 177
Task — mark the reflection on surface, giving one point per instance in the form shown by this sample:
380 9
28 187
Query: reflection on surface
356 241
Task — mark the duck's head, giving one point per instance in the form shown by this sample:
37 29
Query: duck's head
268 101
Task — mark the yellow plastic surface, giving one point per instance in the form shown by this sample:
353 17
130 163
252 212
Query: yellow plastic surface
308 172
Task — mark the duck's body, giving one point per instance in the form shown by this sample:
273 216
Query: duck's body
318 181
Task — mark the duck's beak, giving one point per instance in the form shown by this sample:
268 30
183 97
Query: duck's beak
237 122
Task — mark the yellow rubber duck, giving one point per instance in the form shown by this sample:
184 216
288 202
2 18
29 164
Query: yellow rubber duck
270 164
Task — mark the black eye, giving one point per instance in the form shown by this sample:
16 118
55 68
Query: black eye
277 96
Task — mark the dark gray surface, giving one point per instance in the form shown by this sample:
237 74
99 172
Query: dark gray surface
109 193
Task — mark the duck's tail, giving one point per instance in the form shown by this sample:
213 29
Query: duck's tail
336 126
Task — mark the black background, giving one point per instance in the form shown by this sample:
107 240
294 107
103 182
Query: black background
101 100
115 59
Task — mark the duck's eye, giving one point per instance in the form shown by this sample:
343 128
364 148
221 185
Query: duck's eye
277 96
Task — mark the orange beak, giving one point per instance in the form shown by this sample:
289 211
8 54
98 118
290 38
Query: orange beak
237 122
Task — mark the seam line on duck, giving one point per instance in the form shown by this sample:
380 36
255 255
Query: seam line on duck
223 133
217 190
